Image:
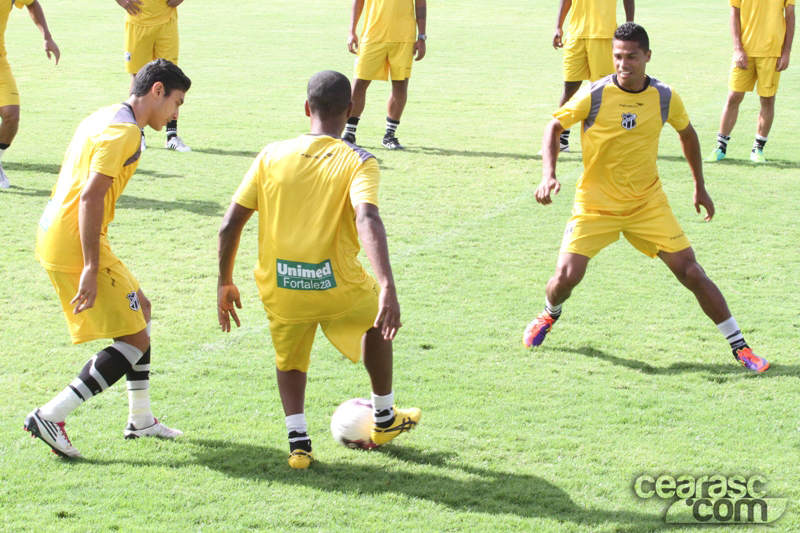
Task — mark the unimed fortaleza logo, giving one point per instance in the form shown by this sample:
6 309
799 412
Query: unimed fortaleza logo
714 499
305 276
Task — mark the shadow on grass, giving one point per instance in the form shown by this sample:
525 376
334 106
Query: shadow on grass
721 371
427 150
235 153
199 207
55 169
485 491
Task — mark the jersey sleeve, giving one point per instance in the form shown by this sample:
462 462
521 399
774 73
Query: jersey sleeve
22 3
678 118
247 193
364 188
788 3
115 148
736 3
576 109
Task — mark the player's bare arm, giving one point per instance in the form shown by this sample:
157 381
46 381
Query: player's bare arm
739 56
421 11
133 7
783 61
373 237
90 223
549 157
352 41
558 34
227 293
37 16
629 9
691 150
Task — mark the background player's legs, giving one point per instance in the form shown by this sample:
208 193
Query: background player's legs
359 99
570 88
730 113
570 270
8 130
394 110
765 117
685 267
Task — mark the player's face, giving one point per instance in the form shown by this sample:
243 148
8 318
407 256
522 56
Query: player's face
166 108
629 63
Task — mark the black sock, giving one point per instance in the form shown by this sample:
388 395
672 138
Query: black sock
759 143
299 441
352 124
172 129
100 372
386 423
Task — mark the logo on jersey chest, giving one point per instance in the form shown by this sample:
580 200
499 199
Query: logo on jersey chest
305 276
629 121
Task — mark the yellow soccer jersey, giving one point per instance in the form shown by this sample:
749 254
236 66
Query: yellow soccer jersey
763 26
153 13
305 191
108 142
592 19
619 140
389 21
5 12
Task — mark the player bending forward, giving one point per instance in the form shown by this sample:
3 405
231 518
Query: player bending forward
315 196
620 191
100 297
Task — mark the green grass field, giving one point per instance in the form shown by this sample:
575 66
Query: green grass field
633 380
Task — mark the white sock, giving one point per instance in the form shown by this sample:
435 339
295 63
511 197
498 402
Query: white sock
382 407
296 423
2 151
552 310
57 409
139 413
730 330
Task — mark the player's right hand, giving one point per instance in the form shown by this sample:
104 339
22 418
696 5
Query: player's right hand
352 43
133 7
740 58
388 319
557 35
545 187
87 291
227 296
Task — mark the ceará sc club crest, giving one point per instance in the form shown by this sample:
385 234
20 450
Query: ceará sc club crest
629 121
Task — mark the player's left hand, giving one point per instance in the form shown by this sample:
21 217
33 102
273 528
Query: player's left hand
545 188
783 62
419 49
701 198
227 296
174 3
50 47
388 319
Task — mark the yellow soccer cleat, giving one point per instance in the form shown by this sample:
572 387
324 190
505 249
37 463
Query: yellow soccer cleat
301 459
404 420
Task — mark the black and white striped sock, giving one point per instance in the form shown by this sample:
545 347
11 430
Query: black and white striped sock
391 127
298 432
352 124
730 329
564 138
383 409
722 142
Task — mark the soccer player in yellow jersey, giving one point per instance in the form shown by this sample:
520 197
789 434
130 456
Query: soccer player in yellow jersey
394 32
620 191
763 31
316 195
99 296
151 32
9 96
587 48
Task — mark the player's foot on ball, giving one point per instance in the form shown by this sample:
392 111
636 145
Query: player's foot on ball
404 420
537 330
349 138
4 183
748 359
757 156
561 148
716 155
176 143
392 143
301 459
156 429
51 433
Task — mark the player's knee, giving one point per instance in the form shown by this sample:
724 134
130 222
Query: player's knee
692 275
146 306
735 98
10 114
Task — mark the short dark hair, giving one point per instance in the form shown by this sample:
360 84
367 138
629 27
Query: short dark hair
328 94
161 70
630 31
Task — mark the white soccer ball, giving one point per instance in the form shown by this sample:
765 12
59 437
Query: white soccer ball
352 423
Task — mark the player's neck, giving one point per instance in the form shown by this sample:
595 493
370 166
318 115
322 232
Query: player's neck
140 109
636 85
333 127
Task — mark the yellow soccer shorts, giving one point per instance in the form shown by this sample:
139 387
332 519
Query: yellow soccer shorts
9 95
116 310
292 341
587 59
376 60
143 44
761 69
650 228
